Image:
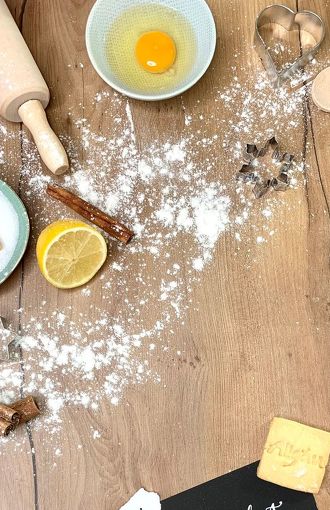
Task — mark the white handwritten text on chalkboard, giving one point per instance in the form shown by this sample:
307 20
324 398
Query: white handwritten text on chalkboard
271 507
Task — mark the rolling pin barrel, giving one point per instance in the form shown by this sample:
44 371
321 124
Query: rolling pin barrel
20 78
24 92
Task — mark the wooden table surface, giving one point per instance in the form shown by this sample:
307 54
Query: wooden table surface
255 339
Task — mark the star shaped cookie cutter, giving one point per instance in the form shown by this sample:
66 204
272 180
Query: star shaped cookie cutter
249 172
13 343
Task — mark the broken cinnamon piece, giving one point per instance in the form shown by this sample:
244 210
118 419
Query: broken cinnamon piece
8 414
19 412
91 213
5 427
27 409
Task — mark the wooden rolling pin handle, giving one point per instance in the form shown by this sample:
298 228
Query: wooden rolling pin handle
49 146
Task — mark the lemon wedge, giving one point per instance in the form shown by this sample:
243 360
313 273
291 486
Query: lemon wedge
70 253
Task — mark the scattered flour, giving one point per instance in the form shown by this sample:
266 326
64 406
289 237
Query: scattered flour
179 209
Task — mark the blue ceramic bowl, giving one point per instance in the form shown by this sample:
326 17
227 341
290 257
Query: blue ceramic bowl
24 230
196 12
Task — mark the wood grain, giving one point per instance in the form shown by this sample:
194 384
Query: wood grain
258 345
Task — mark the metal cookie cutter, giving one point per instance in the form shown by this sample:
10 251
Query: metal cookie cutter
248 172
13 343
290 20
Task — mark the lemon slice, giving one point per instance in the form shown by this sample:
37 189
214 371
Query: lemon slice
70 253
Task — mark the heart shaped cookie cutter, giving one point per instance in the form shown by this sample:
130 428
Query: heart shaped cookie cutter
290 20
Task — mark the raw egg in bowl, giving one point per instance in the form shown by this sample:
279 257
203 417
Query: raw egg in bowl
151 50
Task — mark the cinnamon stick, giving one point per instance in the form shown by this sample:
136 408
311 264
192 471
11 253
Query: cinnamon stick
9 414
91 213
27 409
5 427
17 413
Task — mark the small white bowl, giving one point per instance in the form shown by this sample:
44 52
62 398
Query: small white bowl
197 13
23 232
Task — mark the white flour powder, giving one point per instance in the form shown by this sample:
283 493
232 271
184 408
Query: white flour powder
181 198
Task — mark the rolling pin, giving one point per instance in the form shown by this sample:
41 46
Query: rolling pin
24 94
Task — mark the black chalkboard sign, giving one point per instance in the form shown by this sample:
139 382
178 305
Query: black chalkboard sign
240 490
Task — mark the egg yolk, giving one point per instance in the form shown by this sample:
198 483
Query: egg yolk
155 52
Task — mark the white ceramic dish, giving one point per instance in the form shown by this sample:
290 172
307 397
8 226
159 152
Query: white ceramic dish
23 234
197 13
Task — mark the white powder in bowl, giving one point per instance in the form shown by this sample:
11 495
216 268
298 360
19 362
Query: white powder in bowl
9 231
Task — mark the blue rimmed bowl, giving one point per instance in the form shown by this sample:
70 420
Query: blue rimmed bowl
23 233
196 12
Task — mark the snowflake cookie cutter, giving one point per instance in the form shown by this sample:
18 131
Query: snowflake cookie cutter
249 173
12 343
